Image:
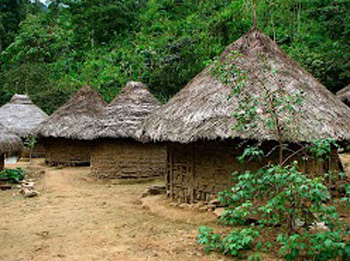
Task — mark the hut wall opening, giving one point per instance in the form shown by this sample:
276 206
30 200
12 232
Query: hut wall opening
39 150
198 171
126 158
67 152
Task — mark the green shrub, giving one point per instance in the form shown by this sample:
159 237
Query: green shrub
324 245
233 244
12 175
280 195
285 201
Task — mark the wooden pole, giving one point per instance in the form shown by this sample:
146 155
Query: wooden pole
170 173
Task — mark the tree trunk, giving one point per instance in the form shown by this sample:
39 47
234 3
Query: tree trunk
255 15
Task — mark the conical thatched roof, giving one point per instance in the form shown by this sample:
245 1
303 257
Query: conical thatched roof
202 109
123 116
21 116
344 95
70 120
10 144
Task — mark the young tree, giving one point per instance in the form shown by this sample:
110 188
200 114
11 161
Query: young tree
279 195
30 144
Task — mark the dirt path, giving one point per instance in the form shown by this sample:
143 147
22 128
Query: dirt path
78 218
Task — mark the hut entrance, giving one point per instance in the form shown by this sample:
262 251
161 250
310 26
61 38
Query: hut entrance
198 171
2 162
180 178
39 150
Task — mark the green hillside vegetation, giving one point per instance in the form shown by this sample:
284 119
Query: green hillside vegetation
51 52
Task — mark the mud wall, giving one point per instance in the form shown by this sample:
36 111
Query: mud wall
198 171
67 152
126 158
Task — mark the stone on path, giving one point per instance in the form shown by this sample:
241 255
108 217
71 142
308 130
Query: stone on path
219 211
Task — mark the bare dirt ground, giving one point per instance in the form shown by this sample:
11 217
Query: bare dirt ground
78 218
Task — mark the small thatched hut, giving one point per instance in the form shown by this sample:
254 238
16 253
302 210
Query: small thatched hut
116 152
198 124
344 95
67 141
21 117
10 145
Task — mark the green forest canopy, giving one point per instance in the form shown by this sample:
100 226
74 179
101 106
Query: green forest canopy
49 52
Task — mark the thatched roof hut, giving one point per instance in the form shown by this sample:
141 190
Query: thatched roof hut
198 125
202 110
71 119
124 115
344 95
67 139
10 144
21 116
116 152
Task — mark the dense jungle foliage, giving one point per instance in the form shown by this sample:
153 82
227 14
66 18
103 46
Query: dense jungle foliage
51 51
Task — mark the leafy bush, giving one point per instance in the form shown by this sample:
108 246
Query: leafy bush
280 195
325 245
321 149
209 239
12 175
346 197
284 200
233 244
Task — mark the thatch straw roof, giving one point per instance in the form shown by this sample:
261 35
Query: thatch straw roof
124 115
71 119
21 116
202 110
10 144
344 95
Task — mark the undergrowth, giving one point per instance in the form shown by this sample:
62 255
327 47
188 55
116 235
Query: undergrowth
12 175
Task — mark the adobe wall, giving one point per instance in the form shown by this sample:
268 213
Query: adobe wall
126 158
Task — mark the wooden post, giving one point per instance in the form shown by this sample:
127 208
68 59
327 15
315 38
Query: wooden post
170 172
190 172
2 162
